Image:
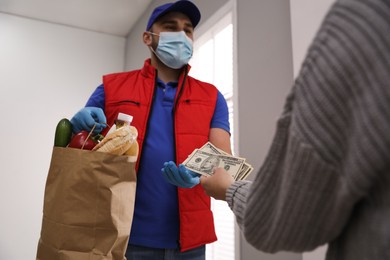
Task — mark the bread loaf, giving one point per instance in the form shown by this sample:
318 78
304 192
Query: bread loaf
119 141
132 152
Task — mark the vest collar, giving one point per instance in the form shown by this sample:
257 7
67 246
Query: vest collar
149 71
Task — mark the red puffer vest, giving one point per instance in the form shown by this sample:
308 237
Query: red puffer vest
195 101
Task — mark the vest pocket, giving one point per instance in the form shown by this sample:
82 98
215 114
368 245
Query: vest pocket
124 102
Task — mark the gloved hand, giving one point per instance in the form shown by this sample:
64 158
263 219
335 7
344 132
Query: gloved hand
86 118
180 176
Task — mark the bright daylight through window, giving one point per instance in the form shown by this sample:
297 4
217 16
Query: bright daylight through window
213 62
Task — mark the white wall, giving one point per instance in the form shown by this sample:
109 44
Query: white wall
47 72
306 18
264 78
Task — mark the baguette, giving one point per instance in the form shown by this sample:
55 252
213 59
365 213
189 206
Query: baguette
119 141
132 152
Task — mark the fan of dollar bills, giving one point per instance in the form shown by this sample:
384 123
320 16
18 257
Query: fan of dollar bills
205 159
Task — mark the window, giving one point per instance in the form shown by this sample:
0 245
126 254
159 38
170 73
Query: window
213 62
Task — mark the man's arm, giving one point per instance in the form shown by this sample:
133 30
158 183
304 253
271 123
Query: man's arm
221 139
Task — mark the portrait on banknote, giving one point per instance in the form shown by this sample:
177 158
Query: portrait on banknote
209 164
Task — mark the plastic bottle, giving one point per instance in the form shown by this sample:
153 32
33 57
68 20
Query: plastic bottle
122 119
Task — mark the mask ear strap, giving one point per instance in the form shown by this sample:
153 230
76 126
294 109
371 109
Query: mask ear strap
151 49
158 57
152 33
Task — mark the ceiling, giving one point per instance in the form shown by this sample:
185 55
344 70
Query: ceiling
115 17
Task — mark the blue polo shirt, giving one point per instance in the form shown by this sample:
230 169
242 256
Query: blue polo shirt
156 213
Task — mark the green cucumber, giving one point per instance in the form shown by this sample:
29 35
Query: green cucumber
63 133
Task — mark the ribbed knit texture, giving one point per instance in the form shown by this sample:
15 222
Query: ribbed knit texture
326 178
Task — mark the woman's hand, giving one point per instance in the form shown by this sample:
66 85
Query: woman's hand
216 185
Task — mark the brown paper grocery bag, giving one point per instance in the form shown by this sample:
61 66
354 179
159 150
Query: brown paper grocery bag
88 206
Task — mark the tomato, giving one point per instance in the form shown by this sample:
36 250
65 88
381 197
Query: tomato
80 139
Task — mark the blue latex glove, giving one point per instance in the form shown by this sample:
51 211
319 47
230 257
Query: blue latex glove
87 117
180 176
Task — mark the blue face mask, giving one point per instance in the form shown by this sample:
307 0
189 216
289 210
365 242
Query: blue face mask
174 49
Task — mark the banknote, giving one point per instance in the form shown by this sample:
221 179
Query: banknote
208 147
204 163
246 169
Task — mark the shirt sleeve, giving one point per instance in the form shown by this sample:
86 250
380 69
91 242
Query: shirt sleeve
97 98
221 114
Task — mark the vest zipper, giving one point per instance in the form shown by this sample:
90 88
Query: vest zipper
181 89
174 108
148 117
174 135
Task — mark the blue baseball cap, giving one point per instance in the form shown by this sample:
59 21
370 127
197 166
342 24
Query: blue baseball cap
181 6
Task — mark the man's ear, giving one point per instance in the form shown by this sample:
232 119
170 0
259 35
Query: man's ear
147 38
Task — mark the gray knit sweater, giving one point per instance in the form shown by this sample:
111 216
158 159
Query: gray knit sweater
326 178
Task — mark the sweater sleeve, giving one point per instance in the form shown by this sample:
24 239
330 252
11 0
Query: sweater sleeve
296 202
331 147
